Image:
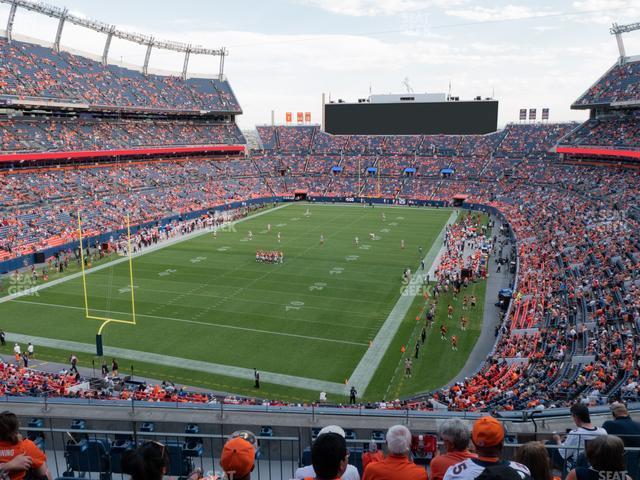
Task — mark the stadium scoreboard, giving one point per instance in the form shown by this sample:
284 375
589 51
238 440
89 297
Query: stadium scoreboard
426 114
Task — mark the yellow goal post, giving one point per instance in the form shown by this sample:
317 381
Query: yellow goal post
87 310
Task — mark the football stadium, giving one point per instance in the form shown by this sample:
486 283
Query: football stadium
417 286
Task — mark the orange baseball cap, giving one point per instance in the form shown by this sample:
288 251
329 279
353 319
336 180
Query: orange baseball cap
238 456
487 432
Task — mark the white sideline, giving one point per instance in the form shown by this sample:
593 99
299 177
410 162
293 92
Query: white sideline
366 368
196 365
153 248
360 378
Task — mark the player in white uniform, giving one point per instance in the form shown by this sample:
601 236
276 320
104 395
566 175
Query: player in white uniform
402 244
268 227
488 438
356 241
278 237
321 239
250 235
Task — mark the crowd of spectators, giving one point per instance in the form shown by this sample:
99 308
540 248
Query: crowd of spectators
578 291
520 140
30 71
72 134
38 209
532 140
620 84
613 131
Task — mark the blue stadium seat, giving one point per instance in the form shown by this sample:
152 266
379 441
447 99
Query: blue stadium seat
148 427
179 464
355 457
36 437
119 447
89 456
193 446
306 457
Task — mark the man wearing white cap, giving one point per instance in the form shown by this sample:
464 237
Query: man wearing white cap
397 465
351 473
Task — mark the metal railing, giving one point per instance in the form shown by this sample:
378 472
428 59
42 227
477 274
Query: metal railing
97 454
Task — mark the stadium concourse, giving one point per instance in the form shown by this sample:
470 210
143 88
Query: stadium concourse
573 327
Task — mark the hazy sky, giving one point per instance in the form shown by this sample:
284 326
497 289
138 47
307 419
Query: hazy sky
285 53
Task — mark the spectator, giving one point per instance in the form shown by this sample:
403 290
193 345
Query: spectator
397 464
575 438
238 458
535 457
629 431
372 455
488 437
329 456
14 449
606 460
351 472
150 461
455 436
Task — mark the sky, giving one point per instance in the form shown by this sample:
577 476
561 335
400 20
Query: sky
283 54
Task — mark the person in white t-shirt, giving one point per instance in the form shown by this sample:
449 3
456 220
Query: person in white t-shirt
351 473
576 438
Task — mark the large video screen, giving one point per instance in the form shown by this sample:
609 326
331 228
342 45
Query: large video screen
447 118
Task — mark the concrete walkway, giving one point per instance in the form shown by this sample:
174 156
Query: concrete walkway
491 315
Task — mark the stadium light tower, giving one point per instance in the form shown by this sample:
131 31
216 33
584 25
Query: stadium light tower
12 17
63 16
618 30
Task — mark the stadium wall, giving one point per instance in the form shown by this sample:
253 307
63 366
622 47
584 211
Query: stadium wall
19 157
599 152
116 413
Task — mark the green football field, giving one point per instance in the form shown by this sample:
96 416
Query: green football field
215 313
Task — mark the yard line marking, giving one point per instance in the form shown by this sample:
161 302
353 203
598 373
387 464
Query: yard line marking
366 368
182 320
153 248
195 365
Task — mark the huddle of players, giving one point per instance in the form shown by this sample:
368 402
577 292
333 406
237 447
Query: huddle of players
269 256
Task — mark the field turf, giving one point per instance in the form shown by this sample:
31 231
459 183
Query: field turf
207 299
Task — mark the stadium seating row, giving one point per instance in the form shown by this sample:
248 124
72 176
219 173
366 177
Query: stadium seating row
30 71
46 134
620 84
515 141
578 250
613 131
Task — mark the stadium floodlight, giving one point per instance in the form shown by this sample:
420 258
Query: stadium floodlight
63 16
618 30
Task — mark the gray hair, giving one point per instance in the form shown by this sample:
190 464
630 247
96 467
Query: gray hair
457 432
399 440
